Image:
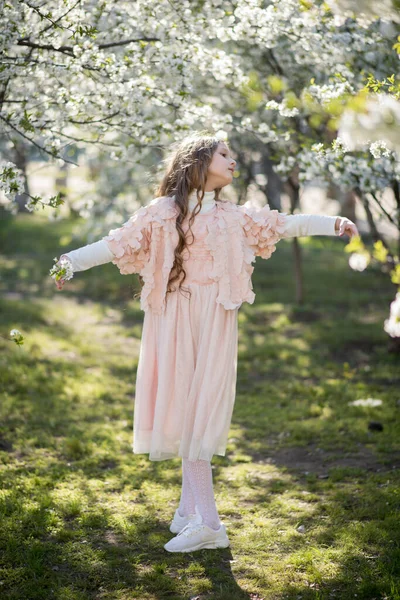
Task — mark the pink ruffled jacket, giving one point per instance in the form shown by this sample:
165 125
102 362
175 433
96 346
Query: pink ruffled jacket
236 234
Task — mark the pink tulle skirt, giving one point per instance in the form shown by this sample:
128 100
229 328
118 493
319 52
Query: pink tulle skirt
186 377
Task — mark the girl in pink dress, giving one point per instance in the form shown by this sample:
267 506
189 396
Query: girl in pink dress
194 254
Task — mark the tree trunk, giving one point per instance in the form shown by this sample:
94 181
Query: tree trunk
61 183
246 176
21 161
298 271
347 201
396 191
293 189
273 188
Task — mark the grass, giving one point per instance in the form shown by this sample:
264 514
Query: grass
82 517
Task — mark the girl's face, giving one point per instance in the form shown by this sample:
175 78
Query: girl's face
220 171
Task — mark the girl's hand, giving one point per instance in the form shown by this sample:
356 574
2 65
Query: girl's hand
60 283
344 226
62 271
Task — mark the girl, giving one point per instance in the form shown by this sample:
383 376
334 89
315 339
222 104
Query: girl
193 253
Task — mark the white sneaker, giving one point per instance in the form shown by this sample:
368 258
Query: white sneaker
197 535
178 522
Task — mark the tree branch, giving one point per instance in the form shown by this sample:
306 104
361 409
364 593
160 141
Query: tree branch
126 42
63 49
53 23
35 143
94 120
376 236
3 93
75 139
69 49
59 18
391 219
27 59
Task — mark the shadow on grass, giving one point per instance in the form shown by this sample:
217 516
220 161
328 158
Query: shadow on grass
82 517
77 548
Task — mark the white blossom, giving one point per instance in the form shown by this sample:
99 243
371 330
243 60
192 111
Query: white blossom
348 169
120 101
15 333
392 324
358 261
379 149
384 9
62 269
17 336
368 402
379 122
326 92
11 179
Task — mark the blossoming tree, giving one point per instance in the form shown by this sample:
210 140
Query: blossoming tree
124 78
117 75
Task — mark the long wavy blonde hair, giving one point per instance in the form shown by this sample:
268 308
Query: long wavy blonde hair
186 170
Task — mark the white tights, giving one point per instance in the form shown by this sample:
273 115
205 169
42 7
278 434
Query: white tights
197 488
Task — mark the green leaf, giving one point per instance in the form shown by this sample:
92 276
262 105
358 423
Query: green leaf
25 122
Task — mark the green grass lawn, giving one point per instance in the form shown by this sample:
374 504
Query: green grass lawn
82 517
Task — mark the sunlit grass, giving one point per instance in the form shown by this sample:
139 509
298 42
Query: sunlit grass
310 496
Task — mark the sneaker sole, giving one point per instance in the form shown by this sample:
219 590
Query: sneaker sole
204 545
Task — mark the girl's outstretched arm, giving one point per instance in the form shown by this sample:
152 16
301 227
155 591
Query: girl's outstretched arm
305 224
89 256
81 259
128 247
264 227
